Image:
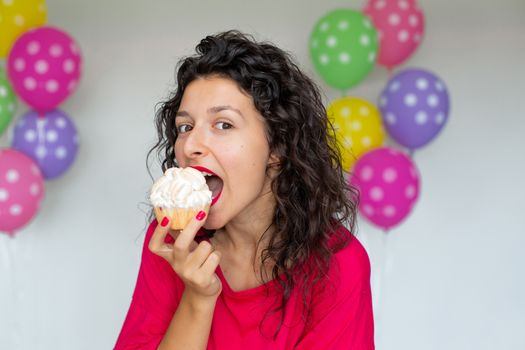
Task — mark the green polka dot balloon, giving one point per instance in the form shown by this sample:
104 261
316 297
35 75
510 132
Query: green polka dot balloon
343 48
7 102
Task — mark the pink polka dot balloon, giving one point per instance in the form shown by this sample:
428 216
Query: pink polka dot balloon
44 67
400 25
388 182
21 190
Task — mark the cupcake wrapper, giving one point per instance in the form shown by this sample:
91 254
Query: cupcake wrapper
179 217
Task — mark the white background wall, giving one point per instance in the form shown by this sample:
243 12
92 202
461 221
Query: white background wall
450 277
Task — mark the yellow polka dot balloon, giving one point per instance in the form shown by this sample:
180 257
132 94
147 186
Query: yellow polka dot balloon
358 127
18 16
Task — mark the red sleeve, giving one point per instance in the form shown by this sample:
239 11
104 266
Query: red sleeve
155 299
342 316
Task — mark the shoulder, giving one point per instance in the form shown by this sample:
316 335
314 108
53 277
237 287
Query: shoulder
350 266
344 292
354 254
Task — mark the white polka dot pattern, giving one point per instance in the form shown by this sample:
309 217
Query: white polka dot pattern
8 102
21 190
389 185
52 141
343 47
414 105
44 65
358 127
401 24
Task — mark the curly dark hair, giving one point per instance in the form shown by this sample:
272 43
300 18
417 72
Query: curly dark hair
313 198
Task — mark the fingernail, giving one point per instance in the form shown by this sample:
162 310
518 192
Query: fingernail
164 222
200 215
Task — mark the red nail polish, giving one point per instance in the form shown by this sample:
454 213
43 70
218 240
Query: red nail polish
200 215
164 222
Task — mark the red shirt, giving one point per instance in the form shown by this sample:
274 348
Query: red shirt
341 309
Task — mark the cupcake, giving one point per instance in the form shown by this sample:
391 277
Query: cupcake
180 194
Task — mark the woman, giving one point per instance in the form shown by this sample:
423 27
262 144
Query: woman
270 266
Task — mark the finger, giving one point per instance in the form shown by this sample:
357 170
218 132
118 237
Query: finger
174 234
211 263
200 254
156 243
181 247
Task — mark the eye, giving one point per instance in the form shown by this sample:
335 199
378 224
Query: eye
182 128
223 125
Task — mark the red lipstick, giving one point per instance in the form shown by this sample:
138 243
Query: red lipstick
203 169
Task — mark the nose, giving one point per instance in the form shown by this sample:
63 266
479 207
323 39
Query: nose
195 143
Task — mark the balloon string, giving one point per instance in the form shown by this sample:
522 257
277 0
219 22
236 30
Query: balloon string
383 274
7 261
389 70
6 255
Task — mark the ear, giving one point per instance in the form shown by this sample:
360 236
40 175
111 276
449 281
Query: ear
273 161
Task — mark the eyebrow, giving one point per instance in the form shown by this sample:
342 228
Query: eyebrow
211 110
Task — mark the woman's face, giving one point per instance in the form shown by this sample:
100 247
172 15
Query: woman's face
220 131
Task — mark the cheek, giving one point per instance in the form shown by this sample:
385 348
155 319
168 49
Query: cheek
245 163
254 157
178 152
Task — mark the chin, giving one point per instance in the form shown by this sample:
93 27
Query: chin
213 224
215 220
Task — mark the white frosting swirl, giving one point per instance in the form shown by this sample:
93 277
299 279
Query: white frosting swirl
180 188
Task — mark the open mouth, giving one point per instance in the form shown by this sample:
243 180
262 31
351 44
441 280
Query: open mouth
213 181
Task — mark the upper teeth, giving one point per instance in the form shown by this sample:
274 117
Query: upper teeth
206 174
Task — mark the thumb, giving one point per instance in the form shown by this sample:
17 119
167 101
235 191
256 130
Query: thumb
156 242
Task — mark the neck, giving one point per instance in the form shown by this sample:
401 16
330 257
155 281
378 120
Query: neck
244 240
250 231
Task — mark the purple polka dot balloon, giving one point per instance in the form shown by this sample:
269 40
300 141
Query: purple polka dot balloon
414 107
51 141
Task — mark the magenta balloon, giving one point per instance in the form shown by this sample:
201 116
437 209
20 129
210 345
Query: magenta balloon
21 189
388 182
44 67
